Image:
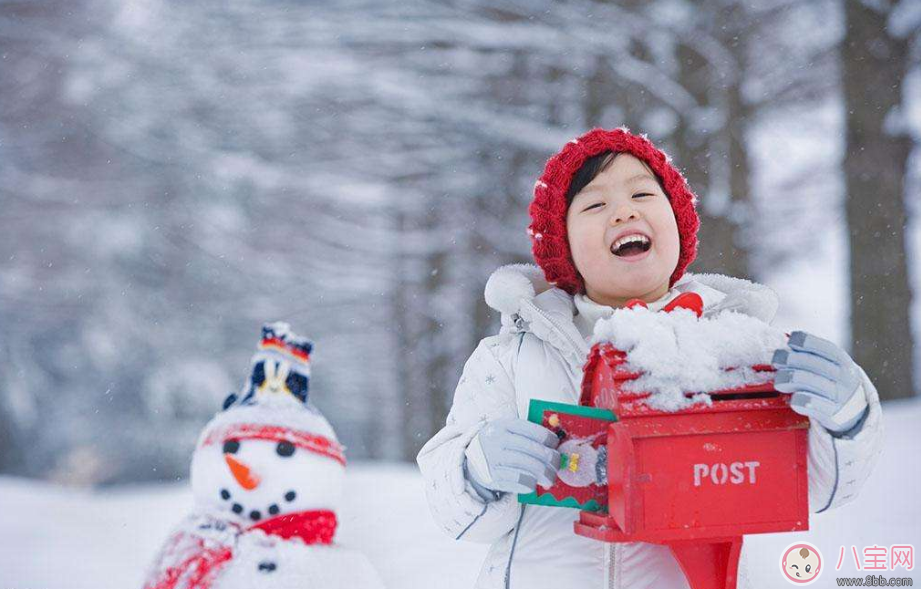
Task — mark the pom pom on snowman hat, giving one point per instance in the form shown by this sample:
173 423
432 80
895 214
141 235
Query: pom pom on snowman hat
273 404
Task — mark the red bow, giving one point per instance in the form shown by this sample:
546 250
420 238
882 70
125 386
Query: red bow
686 300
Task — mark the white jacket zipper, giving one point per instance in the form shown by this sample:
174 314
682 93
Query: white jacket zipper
611 551
583 349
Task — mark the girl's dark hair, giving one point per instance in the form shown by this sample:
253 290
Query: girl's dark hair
590 169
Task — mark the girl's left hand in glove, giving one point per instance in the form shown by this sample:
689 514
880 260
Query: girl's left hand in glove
825 382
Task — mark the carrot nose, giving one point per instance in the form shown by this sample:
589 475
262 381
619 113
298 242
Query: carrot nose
244 475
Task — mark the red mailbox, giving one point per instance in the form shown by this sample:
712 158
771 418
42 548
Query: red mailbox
699 478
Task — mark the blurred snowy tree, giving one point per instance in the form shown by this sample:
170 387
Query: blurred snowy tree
48 162
876 55
173 174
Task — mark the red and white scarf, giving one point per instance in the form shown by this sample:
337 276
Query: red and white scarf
203 561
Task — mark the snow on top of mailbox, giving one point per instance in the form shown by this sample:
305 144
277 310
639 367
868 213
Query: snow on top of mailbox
677 352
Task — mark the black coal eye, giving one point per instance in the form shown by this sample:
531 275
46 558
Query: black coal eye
808 567
231 446
267 567
285 449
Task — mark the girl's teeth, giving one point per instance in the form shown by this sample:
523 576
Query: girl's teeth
628 239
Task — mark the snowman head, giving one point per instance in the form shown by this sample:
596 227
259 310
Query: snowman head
270 452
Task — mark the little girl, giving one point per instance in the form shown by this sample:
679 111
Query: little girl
611 220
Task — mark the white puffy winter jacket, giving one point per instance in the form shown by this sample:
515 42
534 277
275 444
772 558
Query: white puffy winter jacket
539 354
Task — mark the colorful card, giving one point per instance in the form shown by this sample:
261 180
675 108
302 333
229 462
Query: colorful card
582 477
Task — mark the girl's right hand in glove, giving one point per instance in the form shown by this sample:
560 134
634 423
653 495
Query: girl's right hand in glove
512 455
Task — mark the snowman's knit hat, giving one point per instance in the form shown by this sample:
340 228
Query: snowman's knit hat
304 427
281 364
274 404
549 239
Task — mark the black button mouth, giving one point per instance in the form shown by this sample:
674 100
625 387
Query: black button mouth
255 514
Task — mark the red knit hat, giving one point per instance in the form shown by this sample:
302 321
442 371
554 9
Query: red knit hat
549 241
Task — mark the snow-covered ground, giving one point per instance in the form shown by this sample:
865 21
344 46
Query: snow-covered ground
60 538
54 537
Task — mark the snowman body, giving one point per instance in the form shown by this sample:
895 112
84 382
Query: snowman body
267 563
267 476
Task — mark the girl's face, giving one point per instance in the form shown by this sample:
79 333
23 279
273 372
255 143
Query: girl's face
623 200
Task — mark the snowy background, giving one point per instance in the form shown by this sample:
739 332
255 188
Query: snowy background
174 174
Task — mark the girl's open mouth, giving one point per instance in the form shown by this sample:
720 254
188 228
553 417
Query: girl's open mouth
631 247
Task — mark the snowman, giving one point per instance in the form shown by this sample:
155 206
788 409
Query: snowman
267 475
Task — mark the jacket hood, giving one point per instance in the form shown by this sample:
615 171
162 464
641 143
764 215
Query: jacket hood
528 302
510 286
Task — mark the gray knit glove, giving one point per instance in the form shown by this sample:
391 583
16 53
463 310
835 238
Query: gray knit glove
511 455
825 382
